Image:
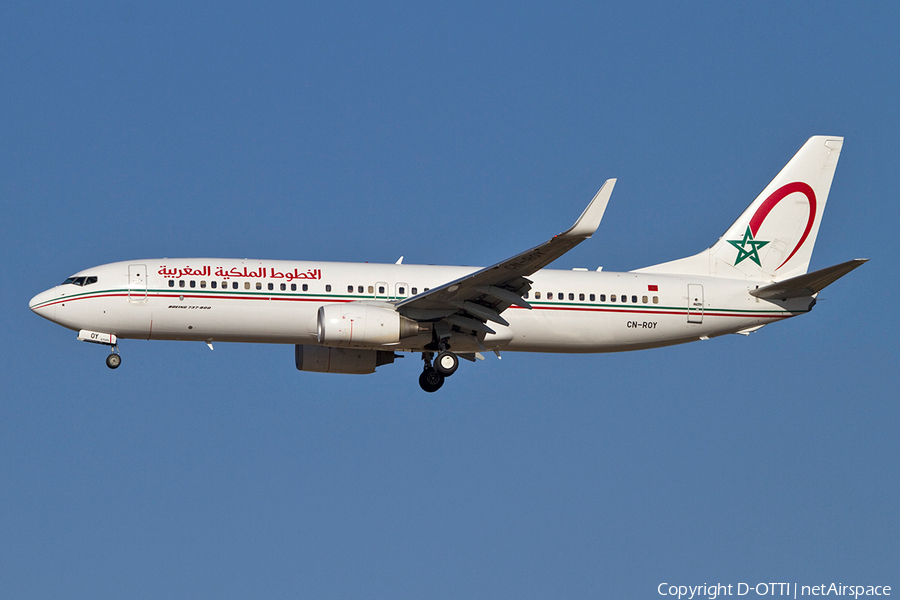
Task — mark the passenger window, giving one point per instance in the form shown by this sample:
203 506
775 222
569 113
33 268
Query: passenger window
612 297
271 286
349 289
415 291
246 285
549 295
283 286
171 283
371 289
328 287
213 284
360 289
624 298
525 295
644 299
572 296
655 299
203 283
193 283
234 285
401 291
380 289
634 299
561 296
593 297
293 287
603 298
537 295
305 287
581 296
259 285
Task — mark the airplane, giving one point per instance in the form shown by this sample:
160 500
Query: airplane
354 317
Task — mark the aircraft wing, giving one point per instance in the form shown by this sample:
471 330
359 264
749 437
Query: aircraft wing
808 284
481 296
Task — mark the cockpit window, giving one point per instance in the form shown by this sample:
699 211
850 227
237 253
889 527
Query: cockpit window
80 280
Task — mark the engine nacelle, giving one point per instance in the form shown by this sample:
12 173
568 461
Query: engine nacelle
322 359
358 324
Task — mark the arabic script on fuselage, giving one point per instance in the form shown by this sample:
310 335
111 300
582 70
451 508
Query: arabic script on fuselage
235 272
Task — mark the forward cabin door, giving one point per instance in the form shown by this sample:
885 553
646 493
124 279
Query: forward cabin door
695 303
137 283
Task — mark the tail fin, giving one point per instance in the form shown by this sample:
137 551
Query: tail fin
773 240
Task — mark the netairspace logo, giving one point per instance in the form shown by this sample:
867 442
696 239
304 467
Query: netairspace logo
713 591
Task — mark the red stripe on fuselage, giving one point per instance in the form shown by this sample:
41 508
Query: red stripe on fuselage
707 312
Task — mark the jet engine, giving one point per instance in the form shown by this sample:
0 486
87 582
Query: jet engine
357 324
322 359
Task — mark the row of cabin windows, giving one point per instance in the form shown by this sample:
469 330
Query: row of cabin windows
382 290
236 285
593 297
401 290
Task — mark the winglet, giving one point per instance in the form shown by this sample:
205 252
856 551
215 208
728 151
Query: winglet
589 220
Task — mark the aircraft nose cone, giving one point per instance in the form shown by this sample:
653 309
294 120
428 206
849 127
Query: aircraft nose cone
42 305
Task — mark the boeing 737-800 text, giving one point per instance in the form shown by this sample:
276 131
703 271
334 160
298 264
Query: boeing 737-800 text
353 317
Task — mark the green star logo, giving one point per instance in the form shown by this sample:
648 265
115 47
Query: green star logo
742 247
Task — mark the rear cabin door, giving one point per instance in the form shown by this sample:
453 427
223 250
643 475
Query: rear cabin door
137 283
695 303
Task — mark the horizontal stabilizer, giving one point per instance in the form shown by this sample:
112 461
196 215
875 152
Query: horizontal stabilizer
808 284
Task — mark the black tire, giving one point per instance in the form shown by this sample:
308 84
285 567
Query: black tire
446 363
113 361
430 380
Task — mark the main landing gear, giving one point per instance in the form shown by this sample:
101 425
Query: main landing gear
432 377
113 360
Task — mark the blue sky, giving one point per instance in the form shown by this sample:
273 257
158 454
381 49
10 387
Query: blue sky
457 134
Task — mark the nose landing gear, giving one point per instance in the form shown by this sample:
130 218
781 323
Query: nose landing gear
106 339
113 360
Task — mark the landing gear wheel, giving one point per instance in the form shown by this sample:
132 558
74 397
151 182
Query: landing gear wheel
430 380
446 363
113 361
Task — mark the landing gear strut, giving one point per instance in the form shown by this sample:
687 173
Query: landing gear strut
445 365
430 380
113 360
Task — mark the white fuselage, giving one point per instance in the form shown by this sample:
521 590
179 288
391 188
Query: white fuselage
268 301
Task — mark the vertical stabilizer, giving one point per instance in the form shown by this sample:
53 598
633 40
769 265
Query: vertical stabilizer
774 238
